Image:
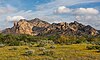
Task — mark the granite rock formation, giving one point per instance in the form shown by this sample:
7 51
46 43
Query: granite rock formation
39 27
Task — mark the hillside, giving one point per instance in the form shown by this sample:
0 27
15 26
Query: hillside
39 27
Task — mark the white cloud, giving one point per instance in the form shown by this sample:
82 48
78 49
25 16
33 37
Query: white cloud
62 9
14 18
86 11
78 11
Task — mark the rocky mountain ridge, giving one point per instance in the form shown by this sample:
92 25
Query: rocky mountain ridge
39 27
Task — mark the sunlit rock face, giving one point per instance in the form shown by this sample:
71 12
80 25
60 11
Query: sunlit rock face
27 27
39 27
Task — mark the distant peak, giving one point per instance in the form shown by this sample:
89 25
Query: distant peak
36 19
76 22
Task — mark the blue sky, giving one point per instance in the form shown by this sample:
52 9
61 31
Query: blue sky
84 11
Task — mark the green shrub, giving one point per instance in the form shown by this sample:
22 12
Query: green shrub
42 49
29 52
30 45
41 44
48 52
26 48
50 42
13 48
16 40
68 40
52 47
14 43
96 42
93 47
99 50
2 45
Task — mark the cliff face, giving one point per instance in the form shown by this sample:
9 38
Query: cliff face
73 28
26 27
39 27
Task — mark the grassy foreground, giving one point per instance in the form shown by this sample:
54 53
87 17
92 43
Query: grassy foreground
60 52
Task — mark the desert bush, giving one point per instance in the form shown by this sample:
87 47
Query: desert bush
46 42
29 52
9 38
80 39
67 39
16 40
93 47
41 44
50 42
26 48
14 43
13 48
62 40
30 45
1 37
2 45
52 47
42 48
97 42
99 50
48 52
74 39
93 38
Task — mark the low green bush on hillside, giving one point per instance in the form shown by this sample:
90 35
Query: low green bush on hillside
17 40
93 47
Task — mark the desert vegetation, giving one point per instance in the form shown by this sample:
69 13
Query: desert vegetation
64 47
20 40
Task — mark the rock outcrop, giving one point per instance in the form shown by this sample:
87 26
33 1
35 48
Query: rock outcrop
27 27
39 27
